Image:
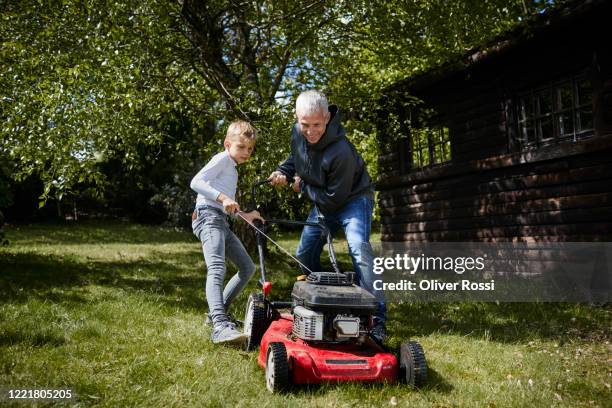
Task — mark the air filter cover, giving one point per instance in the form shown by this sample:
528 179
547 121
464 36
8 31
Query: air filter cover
333 297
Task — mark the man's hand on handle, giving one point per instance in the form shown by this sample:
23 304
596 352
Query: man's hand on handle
296 184
277 179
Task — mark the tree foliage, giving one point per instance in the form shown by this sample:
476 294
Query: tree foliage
88 82
85 79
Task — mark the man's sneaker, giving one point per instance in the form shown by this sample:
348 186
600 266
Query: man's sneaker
379 332
225 332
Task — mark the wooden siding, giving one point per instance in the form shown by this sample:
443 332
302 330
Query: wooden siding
567 198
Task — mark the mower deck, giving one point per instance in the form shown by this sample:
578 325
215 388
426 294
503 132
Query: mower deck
314 363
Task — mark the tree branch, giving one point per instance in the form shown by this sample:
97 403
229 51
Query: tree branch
278 78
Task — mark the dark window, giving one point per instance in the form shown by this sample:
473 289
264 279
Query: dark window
429 146
560 111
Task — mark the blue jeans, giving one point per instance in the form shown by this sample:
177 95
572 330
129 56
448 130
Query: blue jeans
356 220
212 229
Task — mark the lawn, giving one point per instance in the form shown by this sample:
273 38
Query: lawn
115 312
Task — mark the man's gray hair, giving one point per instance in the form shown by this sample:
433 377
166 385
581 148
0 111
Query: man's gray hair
309 102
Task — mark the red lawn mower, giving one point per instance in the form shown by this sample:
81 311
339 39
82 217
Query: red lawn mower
326 335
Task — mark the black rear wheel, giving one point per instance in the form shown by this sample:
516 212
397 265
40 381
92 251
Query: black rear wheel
413 366
256 320
277 368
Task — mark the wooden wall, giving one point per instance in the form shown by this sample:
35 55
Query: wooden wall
554 197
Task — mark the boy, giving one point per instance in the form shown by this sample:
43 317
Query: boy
216 188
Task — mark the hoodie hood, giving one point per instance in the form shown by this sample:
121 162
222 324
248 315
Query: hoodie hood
332 171
333 132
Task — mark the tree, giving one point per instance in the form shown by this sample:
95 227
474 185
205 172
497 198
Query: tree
86 78
244 50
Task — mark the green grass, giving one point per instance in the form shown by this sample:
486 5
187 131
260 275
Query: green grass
115 312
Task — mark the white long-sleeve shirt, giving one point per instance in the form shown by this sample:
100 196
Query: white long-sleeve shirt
218 176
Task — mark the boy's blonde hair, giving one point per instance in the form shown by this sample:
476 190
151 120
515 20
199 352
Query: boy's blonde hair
241 128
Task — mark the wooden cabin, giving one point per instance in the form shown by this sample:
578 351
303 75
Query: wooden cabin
512 142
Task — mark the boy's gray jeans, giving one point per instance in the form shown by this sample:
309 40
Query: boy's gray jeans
218 241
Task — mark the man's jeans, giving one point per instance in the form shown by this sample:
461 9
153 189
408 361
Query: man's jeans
356 220
212 228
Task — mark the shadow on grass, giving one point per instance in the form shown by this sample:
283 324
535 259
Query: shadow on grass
503 322
434 382
96 232
35 339
25 276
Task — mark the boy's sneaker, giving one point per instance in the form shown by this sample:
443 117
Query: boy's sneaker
379 333
225 332
208 321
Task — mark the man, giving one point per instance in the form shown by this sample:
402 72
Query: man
328 169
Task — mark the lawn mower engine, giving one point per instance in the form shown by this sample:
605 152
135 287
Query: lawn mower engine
329 308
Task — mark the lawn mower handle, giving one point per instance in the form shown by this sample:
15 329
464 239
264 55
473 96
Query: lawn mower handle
260 239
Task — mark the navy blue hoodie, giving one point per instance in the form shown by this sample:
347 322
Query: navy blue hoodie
331 170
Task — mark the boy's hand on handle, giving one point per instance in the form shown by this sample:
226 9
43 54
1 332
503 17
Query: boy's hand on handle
277 178
230 206
252 216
